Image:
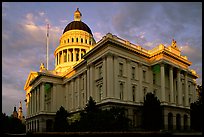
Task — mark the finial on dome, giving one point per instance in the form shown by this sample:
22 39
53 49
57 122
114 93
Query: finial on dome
77 15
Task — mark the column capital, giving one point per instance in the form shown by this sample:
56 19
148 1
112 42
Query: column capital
140 64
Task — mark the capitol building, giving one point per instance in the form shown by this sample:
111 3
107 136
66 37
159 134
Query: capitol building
115 72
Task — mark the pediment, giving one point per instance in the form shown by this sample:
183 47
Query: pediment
30 77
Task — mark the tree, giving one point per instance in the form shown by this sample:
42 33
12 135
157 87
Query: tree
196 112
10 124
61 123
152 113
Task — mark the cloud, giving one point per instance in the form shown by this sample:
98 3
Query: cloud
23 49
97 36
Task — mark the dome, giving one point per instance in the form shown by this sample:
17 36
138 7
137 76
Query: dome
77 25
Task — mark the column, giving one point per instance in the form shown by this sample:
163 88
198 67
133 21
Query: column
110 76
72 94
58 57
104 78
140 90
79 54
88 82
116 89
171 84
186 90
128 92
62 57
179 88
70 55
34 100
74 55
56 60
67 55
31 102
162 83
42 107
85 88
91 82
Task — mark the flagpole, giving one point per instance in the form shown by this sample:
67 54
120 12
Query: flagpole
47 43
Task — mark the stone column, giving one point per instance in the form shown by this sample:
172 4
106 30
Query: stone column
62 57
179 88
140 90
56 60
78 91
31 102
110 76
88 82
116 84
85 88
91 80
70 56
58 57
104 78
128 92
162 83
67 55
72 94
79 54
171 85
42 107
74 55
186 90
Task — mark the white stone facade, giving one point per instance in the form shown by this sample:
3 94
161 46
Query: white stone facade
114 72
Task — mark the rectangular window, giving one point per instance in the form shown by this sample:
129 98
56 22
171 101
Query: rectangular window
144 75
121 91
100 92
133 93
154 78
100 72
145 90
133 72
121 69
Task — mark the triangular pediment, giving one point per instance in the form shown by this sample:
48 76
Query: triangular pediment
31 76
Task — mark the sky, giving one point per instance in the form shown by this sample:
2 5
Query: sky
147 24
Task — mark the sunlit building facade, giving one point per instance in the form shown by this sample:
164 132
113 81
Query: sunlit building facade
115 72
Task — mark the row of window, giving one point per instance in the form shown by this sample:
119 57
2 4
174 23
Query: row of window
78 40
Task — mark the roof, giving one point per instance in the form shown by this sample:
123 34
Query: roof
77 25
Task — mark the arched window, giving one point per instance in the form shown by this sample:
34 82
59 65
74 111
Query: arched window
81 40
72 39
170 121
76 39
86 41
68 40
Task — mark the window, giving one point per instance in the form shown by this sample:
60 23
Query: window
121 90
121 69
64 41
86 41
76 39
154 78
133 72
145 90
100 72
68 40
72 39
144 75
89 42
100 92
155 92
81 40
133 93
